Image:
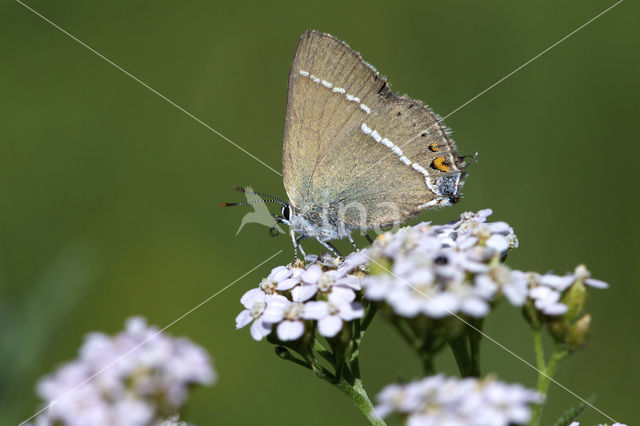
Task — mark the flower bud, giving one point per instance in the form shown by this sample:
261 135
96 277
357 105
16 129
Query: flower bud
579 332
557 328
575 298
282 352
534 317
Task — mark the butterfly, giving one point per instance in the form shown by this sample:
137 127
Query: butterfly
357 156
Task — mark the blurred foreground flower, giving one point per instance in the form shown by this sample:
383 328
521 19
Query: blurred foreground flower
137 377
613 424
440 400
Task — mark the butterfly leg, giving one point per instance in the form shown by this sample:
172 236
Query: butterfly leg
330 247
300 238
353 243
295 244
368 237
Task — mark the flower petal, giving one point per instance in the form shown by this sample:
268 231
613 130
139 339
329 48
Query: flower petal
340 295
592 282
441 305
350 281
260 329
274 312
251 297
290 330
304 292
475 307
311 275
555 309
315 310
243 318
279 273
287 284
330 326
557 282
498 243
351 311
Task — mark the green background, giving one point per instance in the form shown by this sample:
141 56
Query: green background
109 196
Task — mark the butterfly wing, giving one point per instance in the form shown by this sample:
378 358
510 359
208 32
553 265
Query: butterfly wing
350 140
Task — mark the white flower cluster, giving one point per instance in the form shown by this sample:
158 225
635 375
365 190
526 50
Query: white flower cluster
439 400
445 269
431 270
442 270
546 290
137 377
291 298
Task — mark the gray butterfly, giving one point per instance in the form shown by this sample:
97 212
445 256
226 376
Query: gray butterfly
357 156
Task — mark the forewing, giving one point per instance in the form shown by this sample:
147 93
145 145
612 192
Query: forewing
350 141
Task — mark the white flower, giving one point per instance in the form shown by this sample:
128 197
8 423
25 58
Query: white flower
438 400
255 302
173 421
582 273
512 283
288 316
330 314
614 424
323 291
275 278
128 379
353 262
547 300
444 270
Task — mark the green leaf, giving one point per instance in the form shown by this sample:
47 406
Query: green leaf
572 413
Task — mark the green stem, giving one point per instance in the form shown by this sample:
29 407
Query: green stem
460 352
427 364
359 396
371 313
539 349
475 336
545 376
347 369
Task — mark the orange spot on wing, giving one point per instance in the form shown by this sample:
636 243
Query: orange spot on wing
441 164
433 147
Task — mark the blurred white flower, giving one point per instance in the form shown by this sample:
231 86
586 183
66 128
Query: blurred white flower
547 290
582 273
547 300
173 421
614 424
440 400
129 379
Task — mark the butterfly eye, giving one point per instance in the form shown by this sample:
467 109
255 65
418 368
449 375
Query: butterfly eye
286 211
